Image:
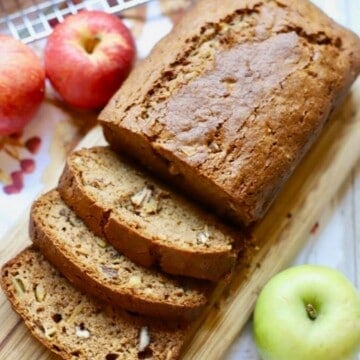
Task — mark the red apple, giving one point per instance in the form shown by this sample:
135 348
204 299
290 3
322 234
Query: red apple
22 81
87 58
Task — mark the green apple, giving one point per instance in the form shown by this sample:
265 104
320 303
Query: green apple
307 313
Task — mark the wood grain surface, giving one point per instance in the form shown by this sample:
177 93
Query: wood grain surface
279 237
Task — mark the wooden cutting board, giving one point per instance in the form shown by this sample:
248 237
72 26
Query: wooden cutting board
279 237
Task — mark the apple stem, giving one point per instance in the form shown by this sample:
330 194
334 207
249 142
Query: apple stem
91 43
311 311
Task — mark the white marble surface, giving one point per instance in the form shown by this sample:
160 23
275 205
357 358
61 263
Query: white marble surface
336 242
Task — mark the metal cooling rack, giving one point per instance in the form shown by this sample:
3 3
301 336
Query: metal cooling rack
30 20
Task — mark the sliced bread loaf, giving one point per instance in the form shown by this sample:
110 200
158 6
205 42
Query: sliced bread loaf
145 220
229 102
96 267
75 326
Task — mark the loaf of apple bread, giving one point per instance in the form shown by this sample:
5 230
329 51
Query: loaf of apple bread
230 101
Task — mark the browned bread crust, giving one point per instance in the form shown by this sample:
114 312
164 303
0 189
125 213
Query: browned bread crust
144 219
98 269
228 103
75 326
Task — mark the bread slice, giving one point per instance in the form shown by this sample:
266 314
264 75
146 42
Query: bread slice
143 219
96 267
77 327
228 103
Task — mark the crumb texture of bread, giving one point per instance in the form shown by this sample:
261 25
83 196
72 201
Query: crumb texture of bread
97 268
76 327
144 219
229 102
